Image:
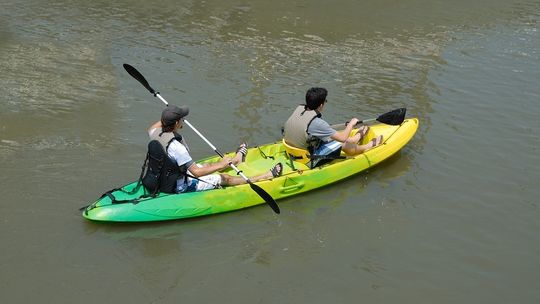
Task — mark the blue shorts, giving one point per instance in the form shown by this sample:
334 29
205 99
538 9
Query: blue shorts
331 149
328 148
207 182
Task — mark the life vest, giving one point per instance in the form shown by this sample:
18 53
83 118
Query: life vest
295 131
163 172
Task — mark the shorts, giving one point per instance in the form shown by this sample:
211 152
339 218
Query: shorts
207 182
328 148
331 149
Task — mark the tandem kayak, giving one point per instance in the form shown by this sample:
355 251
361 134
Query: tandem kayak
126 205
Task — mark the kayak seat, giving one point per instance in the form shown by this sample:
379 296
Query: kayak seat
299 155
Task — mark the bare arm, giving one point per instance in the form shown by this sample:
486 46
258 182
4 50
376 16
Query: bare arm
342 135
209 168
157 124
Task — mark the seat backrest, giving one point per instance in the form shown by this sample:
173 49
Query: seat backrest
300 155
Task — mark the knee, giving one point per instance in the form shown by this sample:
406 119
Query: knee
225 179
353 139
350 148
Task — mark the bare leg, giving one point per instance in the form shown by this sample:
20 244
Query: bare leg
239 157
357 137
362 131
351 147
229 180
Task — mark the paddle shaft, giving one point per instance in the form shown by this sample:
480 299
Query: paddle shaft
394 118
343 125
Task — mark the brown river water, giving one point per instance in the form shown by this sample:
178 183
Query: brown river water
453 218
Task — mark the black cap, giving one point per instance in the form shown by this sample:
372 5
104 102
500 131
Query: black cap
172 114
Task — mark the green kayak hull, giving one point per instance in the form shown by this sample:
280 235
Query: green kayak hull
121 205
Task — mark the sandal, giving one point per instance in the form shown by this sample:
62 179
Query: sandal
362 131
380 140
242 149
376 141
277 170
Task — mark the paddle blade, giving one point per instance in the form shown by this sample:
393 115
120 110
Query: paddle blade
394 117
269 200
135 74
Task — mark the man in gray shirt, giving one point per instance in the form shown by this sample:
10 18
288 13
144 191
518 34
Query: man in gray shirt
306 129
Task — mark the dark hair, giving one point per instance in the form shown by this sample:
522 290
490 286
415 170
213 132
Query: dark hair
167 127
315 97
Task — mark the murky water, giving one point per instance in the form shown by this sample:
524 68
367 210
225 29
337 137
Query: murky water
453 218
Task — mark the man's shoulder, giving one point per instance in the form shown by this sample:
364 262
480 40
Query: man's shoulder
320 128
319 122
178 146
152 131
179 152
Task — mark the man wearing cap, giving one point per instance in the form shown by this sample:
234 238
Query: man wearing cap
305 129
197 177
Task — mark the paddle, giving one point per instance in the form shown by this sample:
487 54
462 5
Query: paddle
394 118
263 194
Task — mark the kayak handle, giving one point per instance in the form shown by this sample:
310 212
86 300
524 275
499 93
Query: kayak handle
292 188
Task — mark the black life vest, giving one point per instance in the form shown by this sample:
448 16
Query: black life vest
162 172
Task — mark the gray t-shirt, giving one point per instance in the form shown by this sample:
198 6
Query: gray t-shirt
321 129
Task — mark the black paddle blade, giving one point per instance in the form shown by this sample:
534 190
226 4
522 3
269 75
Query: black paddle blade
135 74
394 117
269 200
